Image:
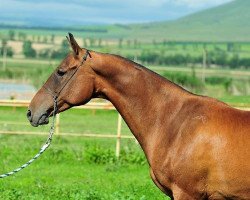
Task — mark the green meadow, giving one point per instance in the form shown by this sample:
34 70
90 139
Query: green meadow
73 167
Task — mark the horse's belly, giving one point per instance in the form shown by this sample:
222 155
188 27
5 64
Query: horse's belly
231 195
227 178
230 175
232 186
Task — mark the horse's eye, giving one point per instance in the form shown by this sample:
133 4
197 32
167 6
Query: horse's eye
60 72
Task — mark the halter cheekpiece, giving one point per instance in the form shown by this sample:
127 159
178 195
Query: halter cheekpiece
55 95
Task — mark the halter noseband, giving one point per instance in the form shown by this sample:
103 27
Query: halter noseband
55 95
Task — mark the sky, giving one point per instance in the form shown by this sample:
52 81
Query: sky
80 12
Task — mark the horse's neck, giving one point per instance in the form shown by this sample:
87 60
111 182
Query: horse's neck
138 94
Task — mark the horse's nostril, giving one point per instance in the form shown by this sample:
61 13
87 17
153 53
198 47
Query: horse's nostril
28 114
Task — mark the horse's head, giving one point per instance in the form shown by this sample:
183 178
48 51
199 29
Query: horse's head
72 83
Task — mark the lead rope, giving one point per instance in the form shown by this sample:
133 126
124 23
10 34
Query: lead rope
52 128
43 148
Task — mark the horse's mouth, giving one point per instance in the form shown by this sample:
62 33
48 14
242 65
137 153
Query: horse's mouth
44 119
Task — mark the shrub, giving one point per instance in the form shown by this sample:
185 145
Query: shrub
189 81
215 80
9 51
45 53
225 81
98 155
159 58
28 50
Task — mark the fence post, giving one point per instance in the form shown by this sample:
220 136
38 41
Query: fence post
4 57
57 131
118 140
204 65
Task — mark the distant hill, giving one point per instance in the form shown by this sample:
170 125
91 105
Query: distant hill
228 22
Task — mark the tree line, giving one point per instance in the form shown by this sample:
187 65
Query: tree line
213 57
227 57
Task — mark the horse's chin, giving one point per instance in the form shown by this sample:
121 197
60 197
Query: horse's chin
43 120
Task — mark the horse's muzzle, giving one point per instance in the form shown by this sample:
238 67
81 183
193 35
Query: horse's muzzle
38 120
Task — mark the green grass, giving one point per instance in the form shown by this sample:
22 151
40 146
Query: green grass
236 99
73 167
65 171
229 22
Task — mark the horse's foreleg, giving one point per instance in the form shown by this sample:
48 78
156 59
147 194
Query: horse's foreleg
163 189
179 194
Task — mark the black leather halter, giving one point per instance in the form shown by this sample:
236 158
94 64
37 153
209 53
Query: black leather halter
55 95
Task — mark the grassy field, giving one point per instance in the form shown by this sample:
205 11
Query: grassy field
227 22
73 168
28 71
236 100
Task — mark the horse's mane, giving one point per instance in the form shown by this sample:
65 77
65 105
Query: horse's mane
126 60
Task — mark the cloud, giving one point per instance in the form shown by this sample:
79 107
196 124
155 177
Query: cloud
75 12
199 3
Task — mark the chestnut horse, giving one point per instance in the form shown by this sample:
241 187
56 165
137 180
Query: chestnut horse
197 147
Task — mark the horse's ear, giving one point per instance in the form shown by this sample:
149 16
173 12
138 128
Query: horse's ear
75 47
